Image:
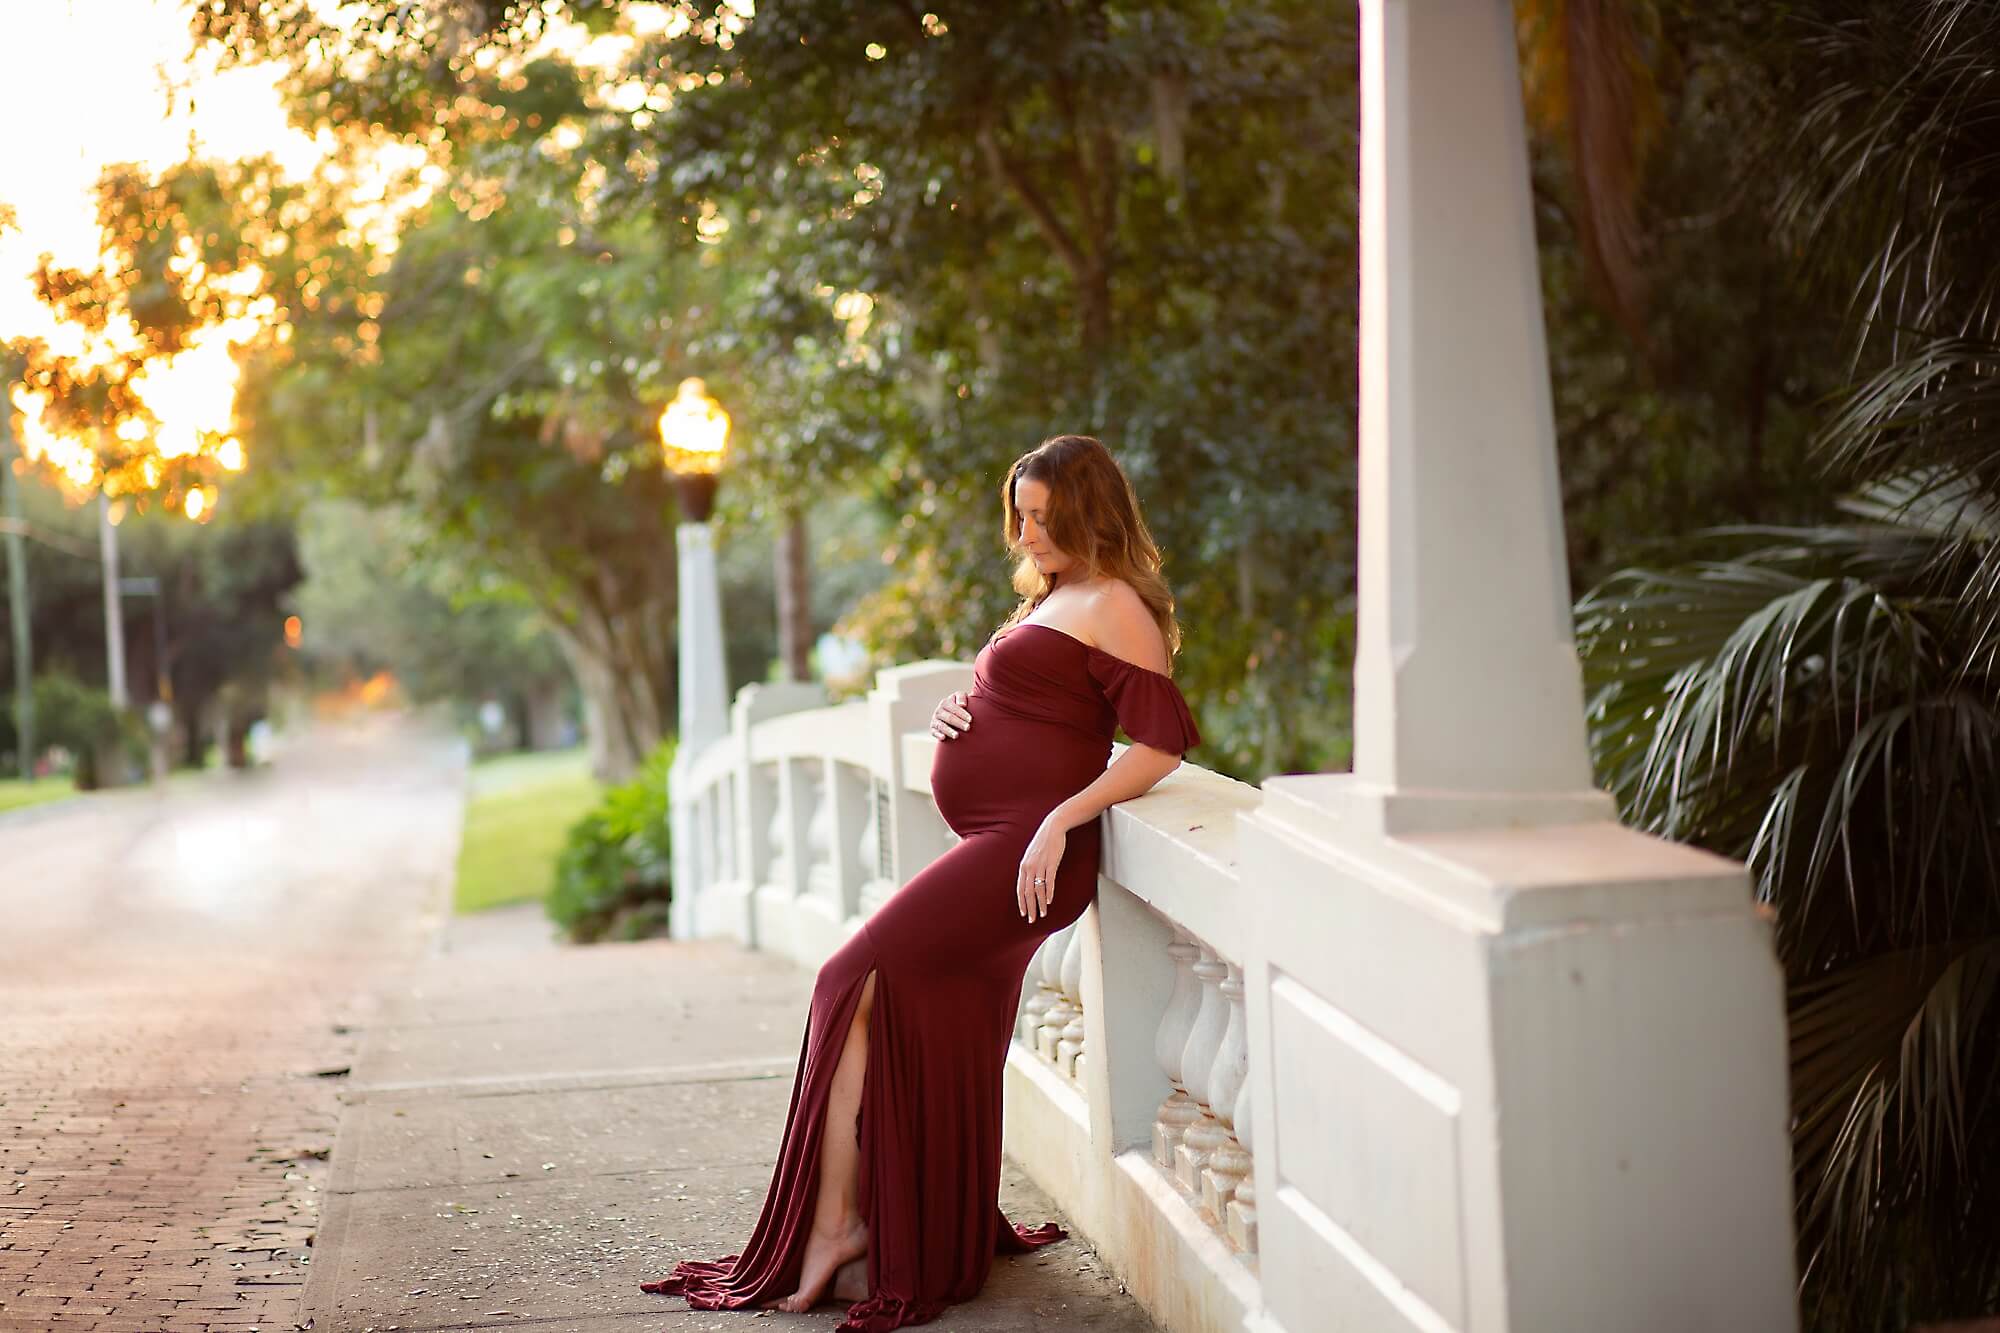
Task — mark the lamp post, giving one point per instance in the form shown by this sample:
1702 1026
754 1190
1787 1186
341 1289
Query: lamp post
17 606
693 432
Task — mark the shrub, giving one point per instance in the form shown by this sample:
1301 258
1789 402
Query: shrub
82 720
614 878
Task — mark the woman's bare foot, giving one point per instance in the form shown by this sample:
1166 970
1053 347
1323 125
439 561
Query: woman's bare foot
850 1280
824 1255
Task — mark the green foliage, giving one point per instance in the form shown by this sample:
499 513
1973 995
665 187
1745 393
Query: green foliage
376 595
1821 701
492 378
1136 220
614 879
82 720
213 626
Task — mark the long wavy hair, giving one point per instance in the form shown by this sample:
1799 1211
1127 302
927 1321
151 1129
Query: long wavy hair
1093 515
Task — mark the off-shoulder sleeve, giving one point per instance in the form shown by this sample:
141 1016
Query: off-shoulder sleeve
1150 706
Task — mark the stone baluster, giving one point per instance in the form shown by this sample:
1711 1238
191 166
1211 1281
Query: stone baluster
875 888
1064 1008
1069 1042
716 818
1242 1210
1229 1163
822 877
1178 1111
702 862
1198 1070
715 821
1040 994
778 855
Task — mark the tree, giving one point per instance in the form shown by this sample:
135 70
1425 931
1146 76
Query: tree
183 281
377 595
485 365
929 243
209 639
1820 700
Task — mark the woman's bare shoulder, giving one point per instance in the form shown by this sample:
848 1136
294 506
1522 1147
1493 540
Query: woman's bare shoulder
1123 626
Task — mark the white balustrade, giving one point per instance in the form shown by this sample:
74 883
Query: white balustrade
1212 1019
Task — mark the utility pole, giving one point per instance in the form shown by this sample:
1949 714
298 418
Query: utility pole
114 610
17 605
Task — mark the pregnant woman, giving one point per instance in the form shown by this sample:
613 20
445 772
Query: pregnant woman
887 1188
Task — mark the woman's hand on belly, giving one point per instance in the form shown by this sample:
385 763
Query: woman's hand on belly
1035 882
950 717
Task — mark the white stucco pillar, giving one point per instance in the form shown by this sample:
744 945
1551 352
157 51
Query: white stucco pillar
1466 678
704 700
1506 1055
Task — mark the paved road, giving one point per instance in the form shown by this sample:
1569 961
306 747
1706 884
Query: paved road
175 969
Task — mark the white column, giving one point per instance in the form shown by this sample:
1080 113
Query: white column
704 679
1505 1054
704 703
1465 677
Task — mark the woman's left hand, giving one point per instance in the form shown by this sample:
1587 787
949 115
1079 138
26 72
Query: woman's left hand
1039 863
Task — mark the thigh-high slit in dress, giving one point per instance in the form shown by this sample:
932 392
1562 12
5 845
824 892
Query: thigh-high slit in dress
949 950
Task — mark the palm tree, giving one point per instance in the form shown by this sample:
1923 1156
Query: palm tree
1824 702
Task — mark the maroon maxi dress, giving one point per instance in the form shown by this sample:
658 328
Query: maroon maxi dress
950 950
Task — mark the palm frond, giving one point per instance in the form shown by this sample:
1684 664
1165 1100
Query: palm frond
1895 177
1884 1107
1807 706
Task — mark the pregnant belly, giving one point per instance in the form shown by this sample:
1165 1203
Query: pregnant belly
1009 769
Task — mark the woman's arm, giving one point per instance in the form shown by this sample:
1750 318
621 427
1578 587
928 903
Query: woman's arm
1133 773
1123 628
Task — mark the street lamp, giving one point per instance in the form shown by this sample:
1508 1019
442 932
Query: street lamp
693 432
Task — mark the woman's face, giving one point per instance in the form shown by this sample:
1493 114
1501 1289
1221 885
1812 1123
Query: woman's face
1031 502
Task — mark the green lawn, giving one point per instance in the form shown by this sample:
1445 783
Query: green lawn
16 792
516 814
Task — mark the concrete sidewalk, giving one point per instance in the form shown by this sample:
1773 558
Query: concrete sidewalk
530 1131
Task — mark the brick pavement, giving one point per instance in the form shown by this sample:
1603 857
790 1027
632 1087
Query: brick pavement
175 970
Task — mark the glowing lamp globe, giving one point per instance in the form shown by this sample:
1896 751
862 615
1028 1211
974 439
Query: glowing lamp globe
694 431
